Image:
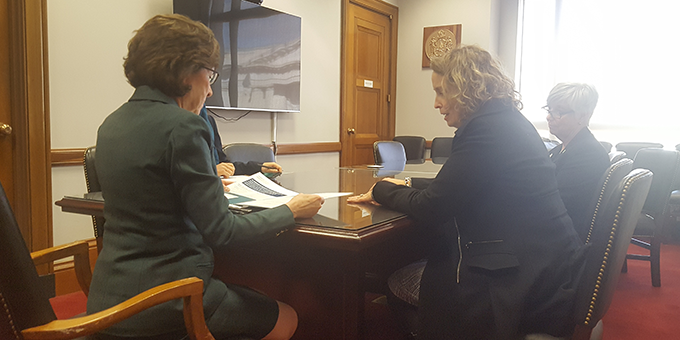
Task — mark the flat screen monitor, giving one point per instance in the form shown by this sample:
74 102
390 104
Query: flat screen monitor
260 46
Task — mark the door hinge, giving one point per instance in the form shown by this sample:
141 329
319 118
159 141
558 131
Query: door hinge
389 98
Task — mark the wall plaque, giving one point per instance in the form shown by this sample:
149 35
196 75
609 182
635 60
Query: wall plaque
438 40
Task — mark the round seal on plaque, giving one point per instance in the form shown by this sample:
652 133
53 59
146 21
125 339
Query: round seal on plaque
439 43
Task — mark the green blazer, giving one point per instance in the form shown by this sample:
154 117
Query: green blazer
165 212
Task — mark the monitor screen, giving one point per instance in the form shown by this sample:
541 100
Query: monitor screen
260 66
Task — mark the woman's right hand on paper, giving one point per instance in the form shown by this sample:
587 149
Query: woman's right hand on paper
305 205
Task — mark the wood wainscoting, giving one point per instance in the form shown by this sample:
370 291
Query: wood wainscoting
71 157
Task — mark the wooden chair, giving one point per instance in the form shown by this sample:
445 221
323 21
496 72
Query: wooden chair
414 147
665 165
389 152
92 182
26 312
247 152
607 246
440 150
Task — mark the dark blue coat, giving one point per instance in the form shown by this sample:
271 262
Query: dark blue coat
500 261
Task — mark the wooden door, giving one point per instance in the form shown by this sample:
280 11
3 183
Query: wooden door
25 152
368 78
5 108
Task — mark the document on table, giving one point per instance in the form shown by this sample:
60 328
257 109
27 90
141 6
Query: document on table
259 191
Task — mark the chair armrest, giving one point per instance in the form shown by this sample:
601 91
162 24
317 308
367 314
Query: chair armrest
190 289
80 250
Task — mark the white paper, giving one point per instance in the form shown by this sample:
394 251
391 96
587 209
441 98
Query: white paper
277 201
265 193
259 187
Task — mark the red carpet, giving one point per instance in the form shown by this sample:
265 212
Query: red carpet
640 311
69 305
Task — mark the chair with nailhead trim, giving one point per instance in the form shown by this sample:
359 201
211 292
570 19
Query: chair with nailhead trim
607 246
614 220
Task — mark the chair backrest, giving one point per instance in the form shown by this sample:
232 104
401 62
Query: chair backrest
414 147
608 183
247 152
607 249
631 148
26 302
606 145
92 182
664 165
441 147
615 156
389 152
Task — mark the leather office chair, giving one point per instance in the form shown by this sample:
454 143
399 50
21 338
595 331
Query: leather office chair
665 165
247 152
615 156
608 243
606 145
27 313
631 148
92 182
610 179
390 152
440 150
414 147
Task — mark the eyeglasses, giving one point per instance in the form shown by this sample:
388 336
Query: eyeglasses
555 114
213 75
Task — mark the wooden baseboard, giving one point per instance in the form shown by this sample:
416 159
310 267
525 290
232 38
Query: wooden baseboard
65 275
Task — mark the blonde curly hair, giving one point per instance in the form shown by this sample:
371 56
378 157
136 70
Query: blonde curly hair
472 77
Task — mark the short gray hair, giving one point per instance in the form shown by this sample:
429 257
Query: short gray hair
576 96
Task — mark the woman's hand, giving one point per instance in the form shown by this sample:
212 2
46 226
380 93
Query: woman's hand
271 167
225 170
225 183
363 198
304 205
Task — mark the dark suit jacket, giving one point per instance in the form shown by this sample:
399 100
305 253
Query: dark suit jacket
240 168
165 211
501 239
579 169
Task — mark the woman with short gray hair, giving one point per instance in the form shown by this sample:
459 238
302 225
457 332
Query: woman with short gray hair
580 160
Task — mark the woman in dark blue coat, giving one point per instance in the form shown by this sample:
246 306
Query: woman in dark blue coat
500 262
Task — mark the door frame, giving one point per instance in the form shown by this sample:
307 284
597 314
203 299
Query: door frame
29 100
392 12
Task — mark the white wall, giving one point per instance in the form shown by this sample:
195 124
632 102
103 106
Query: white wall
480 26
87 40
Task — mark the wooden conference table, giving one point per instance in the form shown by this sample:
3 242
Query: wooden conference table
326 264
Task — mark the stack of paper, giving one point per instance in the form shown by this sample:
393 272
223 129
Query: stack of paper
259 191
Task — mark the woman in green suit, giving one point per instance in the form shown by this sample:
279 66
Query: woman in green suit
165 206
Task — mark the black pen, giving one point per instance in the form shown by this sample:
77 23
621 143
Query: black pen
267 166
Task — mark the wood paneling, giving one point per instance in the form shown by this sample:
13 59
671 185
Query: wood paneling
74 157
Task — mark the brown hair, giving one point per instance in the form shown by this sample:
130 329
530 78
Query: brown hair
166 50
472 77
